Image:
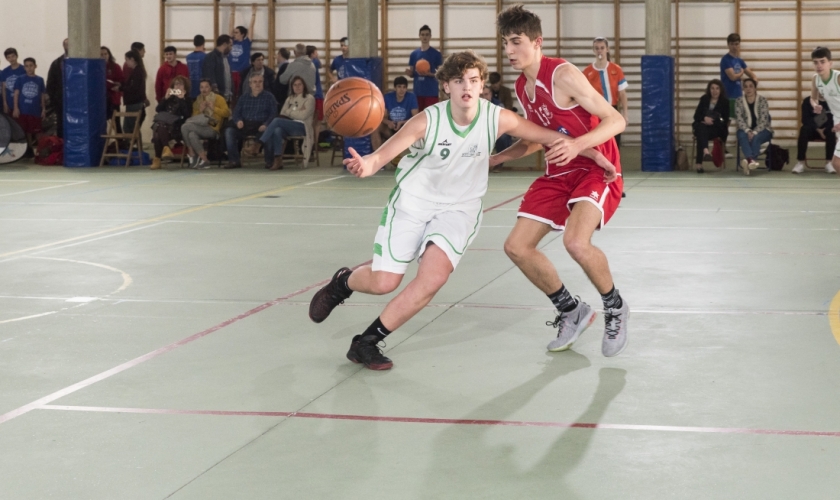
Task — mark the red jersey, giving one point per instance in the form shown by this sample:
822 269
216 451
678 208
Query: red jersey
574 121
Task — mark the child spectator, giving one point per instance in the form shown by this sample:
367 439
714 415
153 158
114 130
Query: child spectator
425 84
30 100
8 77
170 68
195 60
240 53
401 105
337 71
312 53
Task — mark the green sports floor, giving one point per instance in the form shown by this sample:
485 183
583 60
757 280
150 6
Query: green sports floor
155 343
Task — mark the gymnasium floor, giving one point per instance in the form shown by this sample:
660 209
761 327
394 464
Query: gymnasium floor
154 343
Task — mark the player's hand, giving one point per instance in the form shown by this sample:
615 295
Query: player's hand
610 174
358 165
494 160
562 151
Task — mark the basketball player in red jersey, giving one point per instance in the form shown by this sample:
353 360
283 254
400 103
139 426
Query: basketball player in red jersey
574 195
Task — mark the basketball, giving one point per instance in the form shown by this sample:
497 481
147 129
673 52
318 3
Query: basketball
422 66
354 107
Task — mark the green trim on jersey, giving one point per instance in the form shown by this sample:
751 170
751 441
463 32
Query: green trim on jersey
490 138
393 204
466 132
377 249
475 229
427 144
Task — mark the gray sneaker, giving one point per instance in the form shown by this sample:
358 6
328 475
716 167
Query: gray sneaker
615 332
570 325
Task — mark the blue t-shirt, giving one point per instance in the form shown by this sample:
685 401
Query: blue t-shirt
400 111
319 91
338 66
426 86
31 89
9 76
240 55
733 89
195 61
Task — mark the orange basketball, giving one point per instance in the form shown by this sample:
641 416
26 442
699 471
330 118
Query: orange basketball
354 107
422 66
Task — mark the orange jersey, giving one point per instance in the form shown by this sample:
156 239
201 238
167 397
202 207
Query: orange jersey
608 81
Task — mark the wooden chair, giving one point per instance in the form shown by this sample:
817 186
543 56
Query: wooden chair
297 140
113 137
337 148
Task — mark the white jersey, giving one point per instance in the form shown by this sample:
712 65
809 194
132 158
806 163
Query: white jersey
830 91
451 163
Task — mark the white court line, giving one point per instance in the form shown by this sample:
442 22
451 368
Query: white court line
38 180
325 180
261 223
44 189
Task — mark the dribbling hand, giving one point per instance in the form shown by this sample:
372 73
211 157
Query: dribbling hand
357 165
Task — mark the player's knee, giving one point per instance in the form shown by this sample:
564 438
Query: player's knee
576 246
386 282
514 250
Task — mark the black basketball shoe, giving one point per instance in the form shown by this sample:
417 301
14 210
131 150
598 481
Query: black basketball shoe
329 297
366 350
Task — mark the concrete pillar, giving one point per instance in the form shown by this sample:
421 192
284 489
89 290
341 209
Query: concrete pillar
658 27
83 23
363 27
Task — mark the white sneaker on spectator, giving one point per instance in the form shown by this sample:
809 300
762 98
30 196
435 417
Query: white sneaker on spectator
753 165
829 168
798 168
745 167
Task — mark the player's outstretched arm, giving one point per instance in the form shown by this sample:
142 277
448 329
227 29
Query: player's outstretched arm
365 166
517 150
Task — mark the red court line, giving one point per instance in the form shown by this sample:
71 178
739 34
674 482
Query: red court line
448 421
163 350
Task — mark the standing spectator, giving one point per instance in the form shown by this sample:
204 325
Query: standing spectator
55 89
258 67
240 53
216 68
815 127
140 48
501 94
711 120
337 71
195 60
170 68
295 120
253 112
425 84
114 81
8 77
302 66
753 116
312 54
209 111
30 101
172 112
134 89
280 90
733 69
400 106
608 79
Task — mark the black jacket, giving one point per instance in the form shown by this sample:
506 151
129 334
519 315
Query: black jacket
214 70
721 111
55 83
177 106
134 89
280 90
808 116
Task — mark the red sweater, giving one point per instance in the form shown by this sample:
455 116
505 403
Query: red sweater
114 76
166 74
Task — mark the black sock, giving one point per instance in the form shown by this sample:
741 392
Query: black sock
563 300
612 300
377 329
343 281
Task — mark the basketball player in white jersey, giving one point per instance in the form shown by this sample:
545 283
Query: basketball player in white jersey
826 84
435 210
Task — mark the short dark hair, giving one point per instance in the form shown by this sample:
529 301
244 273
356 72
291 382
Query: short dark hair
199 41
243 30
284 53
28 59
344 40
425 27
494 77
750 79
311 49
400 80
517 20
719 84
170 48
733 37
255 56
10 51
820 52
223 39
138 46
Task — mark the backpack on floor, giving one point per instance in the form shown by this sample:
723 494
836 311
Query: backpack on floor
776 157
50 151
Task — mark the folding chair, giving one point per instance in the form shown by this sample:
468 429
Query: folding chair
337 147
113 137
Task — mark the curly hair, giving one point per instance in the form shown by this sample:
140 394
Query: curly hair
458 63
516 20
183 81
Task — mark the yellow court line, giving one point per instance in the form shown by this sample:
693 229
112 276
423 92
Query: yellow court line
834 317
153 219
